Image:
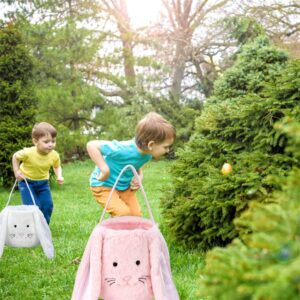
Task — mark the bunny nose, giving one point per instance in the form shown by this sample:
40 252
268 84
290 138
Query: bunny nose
127 278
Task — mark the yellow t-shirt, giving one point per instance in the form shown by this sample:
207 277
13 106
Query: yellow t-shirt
36 166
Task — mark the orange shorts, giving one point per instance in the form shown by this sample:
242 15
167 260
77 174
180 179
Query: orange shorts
122 203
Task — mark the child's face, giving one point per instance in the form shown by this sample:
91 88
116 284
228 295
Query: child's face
158 150
45 144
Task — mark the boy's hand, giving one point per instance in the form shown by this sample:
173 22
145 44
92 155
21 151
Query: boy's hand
60 180
19 175
134 185
104 174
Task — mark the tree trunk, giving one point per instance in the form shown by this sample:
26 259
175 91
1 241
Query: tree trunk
126 37
179 67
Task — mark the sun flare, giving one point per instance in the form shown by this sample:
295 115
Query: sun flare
143 12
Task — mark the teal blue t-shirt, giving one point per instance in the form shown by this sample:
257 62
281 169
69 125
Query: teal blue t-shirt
117 155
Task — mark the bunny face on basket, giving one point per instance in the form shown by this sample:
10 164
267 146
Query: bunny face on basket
126 269
21 231
24 226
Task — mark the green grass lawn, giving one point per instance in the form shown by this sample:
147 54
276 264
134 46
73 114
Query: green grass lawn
28 274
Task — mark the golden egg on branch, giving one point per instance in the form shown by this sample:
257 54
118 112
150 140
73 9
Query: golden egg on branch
226 169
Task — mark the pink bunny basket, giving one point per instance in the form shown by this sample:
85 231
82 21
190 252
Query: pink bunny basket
126 258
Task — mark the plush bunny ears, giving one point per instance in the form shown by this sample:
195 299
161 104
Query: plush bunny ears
89 278
24 226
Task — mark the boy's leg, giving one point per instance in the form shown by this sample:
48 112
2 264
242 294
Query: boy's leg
129 197
44 198
25 194
116 207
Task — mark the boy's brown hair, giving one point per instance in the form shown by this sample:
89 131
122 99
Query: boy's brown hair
41 129
153 127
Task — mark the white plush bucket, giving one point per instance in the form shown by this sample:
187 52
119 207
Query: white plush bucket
24 226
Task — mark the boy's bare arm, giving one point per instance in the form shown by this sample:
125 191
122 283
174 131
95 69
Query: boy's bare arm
93 149
58 173
16 168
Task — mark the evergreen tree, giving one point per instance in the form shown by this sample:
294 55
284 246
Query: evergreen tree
243 29
236 126
263 264
63 50
17 99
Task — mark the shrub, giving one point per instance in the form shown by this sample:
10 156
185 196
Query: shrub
263 264
71 145
236 126
17 100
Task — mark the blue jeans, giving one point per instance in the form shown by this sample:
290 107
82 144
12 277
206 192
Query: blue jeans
41 193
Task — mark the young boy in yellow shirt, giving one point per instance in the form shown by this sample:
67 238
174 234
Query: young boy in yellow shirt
34 164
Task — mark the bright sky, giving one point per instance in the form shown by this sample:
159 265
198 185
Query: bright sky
143 12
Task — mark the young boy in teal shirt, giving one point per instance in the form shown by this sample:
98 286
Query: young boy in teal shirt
153 138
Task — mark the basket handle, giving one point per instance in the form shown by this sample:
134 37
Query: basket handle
31 195
142 190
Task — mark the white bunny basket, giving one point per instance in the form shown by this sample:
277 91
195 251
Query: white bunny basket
24 226
126 258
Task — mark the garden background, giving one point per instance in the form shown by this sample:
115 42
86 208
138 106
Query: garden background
225 74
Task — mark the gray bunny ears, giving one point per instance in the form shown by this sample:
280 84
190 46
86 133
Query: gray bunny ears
24 226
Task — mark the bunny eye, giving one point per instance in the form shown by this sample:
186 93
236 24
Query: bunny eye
115 264
137 262
15 226
27 226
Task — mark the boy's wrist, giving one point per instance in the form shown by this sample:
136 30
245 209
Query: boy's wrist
19 175
17 172
60 179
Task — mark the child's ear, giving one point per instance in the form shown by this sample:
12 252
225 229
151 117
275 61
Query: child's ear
150 145
34 141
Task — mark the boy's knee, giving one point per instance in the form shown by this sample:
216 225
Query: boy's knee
127 212
137 214
121 211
